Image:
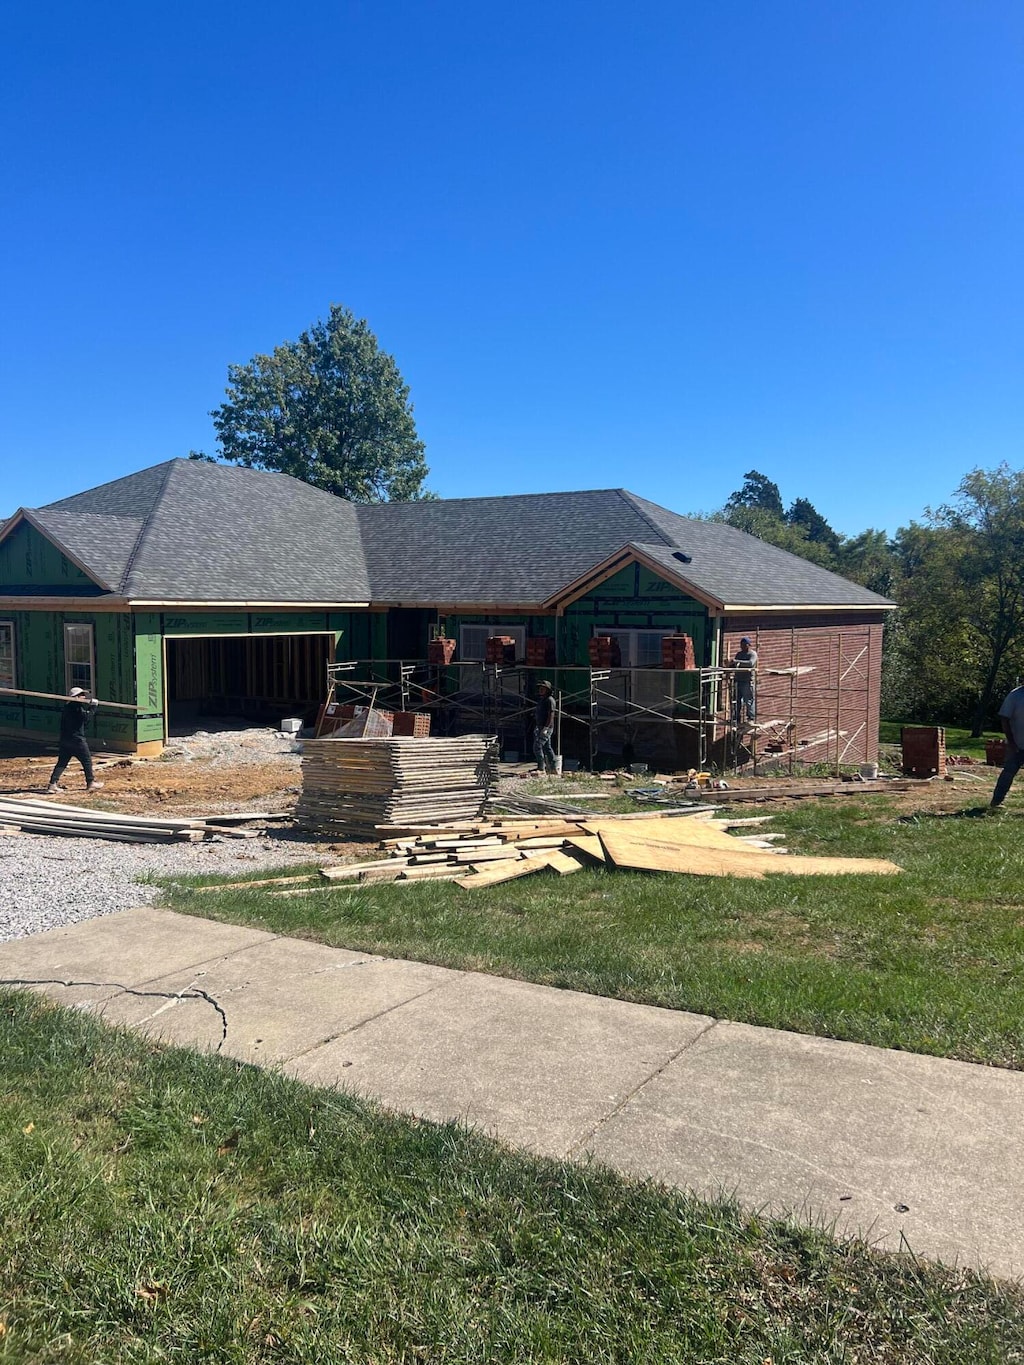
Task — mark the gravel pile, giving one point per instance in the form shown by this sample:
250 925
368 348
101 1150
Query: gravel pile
234 744
47 881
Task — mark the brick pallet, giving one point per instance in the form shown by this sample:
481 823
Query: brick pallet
500 649
677 652
604 651
350 786
540 651
924 750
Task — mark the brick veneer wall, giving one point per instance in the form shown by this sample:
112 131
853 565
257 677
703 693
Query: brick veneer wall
846 681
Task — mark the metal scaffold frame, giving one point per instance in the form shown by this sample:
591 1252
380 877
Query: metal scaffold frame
499 699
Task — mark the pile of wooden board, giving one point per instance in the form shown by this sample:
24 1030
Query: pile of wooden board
351 786
488 853
91 822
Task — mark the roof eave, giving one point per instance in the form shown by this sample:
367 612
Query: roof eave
749 608
218 603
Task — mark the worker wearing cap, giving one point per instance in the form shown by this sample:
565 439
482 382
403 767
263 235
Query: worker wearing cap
745 662
75 716
544 728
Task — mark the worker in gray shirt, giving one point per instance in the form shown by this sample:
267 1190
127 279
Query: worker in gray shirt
544 728
1011 716
745 663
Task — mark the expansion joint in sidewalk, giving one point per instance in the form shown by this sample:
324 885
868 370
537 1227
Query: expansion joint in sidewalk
581 1143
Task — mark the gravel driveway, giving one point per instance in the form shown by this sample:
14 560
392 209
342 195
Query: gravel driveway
47 881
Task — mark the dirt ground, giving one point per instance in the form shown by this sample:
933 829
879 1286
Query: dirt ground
249 769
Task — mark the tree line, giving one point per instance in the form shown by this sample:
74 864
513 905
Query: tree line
955 644
333 410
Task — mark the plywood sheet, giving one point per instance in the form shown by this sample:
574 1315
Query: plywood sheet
659 855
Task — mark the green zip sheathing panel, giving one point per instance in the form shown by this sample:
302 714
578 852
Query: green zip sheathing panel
29 563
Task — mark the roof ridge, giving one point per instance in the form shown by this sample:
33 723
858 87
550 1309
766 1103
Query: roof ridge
634 502
146 520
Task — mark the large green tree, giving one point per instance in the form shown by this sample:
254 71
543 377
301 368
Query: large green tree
757 492
331 409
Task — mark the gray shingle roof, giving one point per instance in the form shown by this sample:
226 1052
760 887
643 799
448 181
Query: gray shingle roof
188 531
527 548
216 533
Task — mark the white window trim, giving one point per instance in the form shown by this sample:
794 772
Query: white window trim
518 633
68 682
9 625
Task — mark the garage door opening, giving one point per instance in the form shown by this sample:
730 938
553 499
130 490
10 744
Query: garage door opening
253 679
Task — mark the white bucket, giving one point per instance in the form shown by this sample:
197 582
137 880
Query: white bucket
558 765
869 771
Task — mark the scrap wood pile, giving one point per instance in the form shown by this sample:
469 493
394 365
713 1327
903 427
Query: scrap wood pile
91 822
487 853
352 786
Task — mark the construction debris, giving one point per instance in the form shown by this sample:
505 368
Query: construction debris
352 786
489 853
92 822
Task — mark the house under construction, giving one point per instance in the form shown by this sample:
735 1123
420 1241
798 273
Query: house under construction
192 591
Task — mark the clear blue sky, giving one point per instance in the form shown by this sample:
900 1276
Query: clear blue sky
650 245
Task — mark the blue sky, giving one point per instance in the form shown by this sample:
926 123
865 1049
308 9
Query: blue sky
650 245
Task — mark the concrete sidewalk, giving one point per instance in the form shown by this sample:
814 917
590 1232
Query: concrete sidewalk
900 1148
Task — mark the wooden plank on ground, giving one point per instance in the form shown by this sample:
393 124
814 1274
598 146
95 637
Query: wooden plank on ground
563 864
244 886
496 873
589 845
654 854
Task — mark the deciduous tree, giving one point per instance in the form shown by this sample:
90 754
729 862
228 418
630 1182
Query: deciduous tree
331 409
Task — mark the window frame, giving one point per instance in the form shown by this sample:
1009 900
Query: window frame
518 633
70 664
628 638
9 626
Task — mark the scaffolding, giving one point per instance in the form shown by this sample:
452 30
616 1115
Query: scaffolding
611 712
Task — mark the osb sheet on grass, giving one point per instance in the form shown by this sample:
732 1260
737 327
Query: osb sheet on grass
658 854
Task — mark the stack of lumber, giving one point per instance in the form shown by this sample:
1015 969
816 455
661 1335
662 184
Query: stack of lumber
90 822
487 853
351 786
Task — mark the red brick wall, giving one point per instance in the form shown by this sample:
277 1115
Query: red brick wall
844 685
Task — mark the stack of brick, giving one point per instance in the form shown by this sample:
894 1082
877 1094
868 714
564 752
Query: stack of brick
604 651
440 650
924 750
540 651
415 724
500 649
677 652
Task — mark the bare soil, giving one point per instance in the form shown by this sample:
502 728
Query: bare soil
257 769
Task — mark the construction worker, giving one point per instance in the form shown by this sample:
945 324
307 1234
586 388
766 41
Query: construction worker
1011 718
75 716
745 662
544 728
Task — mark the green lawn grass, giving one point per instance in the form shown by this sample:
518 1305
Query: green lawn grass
160 1206
931 960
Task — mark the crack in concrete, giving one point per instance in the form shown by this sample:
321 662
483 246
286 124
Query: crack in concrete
824 1171
172 997
371 1019
574 1147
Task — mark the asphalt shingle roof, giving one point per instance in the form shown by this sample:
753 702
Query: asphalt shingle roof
217 533
188 531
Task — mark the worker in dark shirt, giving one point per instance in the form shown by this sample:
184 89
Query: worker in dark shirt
544 728
73 743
